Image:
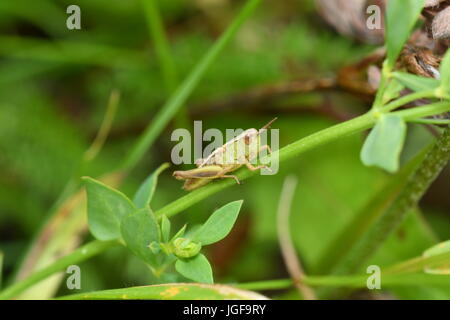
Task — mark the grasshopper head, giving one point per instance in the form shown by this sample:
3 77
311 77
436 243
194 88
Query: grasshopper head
179 175
250 135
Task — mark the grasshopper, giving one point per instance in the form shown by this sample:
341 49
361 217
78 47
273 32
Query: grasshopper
237 152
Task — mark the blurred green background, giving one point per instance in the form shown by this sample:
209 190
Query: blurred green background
54 88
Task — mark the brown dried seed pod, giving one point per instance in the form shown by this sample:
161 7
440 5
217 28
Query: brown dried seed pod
441 25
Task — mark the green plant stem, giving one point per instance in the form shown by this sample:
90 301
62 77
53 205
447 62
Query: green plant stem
297 148
277 284
162 49
83 253
419 182
179 97
432 121
407 99
316 139
165 58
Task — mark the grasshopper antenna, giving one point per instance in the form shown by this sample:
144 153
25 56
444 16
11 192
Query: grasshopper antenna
267 126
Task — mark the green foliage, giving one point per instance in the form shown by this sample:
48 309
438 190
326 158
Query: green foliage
385 143
165 228
401 18
439 249
139 230
416 83
55 83
145 192
196 268
445 73
106 209
187 291
219 224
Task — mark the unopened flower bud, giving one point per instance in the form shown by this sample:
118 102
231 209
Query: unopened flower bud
186 248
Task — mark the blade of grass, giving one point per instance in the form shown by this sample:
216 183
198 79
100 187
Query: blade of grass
165 58
179 97
156 30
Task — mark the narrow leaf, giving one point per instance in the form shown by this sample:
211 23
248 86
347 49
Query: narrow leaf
219 224
139 230
196 268
401 17
145 192
165 228
171 291
444 268
106 208
416 83
445 73
384 144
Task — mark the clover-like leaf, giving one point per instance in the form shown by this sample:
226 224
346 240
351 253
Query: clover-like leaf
401 17
196 268
219 224
384 144
106 208
139 231
145 192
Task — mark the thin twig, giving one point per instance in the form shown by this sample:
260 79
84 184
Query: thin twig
290 258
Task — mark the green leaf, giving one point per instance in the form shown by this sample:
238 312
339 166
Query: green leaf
400 20
106 208
416 83
384 144
445 73
444 268
392 91
139 230
219 224
172 291
145 192
165 228
196 268
180 233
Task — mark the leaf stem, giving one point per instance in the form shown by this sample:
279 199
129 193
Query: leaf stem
81 254
407 99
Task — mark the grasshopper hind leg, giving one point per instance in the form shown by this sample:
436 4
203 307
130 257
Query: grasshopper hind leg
231 176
